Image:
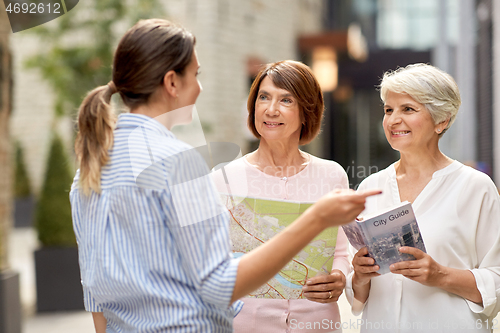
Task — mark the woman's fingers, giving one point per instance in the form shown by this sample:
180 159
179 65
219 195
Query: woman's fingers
325 288
367 193
364 261
364 267
320 279
342 206
406 265
361 259
424 269
319 287
363 252
417 253
324 296
367 269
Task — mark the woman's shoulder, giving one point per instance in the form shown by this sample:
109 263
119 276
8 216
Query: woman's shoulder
474 191
374 180
475 178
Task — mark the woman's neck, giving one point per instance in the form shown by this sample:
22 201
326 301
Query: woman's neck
158 103
421 164
278 159
415 171
165 113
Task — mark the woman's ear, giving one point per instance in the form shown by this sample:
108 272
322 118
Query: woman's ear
442 125
171 83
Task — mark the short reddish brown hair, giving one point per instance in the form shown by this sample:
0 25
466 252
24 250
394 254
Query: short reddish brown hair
298 79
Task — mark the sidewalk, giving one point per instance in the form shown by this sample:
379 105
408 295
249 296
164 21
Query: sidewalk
23 241
74 322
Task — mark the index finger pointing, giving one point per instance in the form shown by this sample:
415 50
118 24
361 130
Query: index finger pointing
368 193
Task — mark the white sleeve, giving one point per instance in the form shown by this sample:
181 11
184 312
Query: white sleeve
483 205
356 306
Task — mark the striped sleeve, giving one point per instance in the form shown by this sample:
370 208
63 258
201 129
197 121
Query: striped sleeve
200 227
89 302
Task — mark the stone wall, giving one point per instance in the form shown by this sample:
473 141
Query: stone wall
33 110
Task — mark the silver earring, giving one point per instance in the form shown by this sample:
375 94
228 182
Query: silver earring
439 131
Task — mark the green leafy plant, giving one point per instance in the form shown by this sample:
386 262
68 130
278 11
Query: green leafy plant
22 187
53 213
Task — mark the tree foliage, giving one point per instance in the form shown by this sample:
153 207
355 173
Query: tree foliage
77 49
22 187
53 213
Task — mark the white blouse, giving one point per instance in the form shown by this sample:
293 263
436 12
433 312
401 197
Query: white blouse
458 215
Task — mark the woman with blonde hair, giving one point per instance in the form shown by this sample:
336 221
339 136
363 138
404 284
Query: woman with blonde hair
455 286
152 237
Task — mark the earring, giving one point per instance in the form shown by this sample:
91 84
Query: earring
439 131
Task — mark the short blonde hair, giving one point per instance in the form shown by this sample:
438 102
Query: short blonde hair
427 85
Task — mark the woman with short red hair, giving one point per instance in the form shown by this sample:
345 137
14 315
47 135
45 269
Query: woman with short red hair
285 109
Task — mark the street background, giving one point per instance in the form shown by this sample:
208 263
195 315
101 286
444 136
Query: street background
349 44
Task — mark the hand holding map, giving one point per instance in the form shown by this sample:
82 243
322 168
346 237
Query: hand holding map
325 288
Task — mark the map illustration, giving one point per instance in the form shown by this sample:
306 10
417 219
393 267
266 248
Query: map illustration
255 220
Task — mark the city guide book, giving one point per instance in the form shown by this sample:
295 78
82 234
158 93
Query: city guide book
384 233
253 221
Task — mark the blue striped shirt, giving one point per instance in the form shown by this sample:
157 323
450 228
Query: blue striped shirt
154 245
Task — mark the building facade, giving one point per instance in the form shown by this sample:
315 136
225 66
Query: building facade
233 38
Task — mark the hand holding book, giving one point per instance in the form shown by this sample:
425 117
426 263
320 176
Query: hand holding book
384 234
364 266
424 269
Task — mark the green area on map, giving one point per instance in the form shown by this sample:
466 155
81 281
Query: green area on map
256 220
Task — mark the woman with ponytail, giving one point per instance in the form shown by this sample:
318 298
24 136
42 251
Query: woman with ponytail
152 237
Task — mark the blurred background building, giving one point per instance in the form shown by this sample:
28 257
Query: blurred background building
348 43
396 33
351 42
